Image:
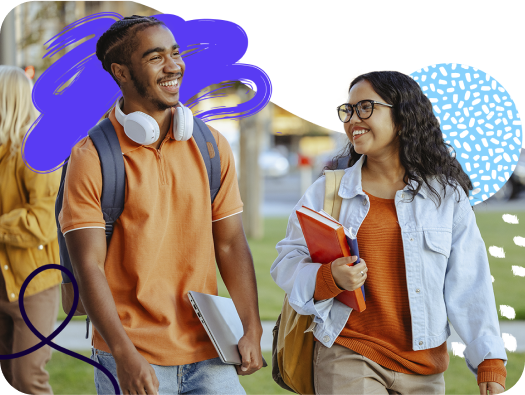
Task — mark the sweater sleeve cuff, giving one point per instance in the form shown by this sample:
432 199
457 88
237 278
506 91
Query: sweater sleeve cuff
492 370
325 286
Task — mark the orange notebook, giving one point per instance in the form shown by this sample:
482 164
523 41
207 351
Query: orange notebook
326 241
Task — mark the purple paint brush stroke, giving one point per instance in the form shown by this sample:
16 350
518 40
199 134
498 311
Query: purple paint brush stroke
68 113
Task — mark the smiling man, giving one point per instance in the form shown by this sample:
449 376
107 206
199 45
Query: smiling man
166 240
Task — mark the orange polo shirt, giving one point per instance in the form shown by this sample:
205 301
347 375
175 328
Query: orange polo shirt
162 244
383 332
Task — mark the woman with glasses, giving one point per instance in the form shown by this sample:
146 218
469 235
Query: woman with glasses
423 261
28 240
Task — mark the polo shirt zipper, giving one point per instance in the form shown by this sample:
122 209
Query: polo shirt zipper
161 167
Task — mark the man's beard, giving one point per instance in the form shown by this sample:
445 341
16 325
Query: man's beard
143 91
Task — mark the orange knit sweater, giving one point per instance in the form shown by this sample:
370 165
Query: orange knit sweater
383 331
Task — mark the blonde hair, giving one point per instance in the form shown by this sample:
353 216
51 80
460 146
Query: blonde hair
17 112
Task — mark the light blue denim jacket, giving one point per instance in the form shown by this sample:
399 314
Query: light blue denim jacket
447 268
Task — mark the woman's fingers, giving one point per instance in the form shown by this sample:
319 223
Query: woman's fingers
349 277
346 260
361 266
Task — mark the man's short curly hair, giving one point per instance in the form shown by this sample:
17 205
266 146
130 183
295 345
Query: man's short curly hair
117 43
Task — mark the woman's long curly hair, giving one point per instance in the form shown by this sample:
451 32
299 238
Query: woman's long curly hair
422 150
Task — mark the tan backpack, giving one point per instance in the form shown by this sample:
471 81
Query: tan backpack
293 340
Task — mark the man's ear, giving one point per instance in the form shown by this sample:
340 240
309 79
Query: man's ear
120 72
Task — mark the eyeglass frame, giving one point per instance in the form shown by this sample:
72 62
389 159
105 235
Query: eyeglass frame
352 106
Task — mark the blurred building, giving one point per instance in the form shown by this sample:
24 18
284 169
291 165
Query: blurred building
306 141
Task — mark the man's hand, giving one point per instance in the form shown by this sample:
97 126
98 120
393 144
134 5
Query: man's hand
349 277
490 388
135 374
250 350
236 267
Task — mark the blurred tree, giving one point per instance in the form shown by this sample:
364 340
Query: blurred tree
39 21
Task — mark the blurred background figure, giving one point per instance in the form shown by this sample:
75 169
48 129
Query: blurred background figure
28 240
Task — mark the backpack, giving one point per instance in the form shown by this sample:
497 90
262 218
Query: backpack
107 145
293 338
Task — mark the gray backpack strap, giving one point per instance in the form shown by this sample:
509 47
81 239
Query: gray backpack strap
113 185
62 248
210 154
106 142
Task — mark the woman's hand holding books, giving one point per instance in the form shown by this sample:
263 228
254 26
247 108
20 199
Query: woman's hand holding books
349 277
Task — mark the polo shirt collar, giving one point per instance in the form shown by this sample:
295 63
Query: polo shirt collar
126 144
351 182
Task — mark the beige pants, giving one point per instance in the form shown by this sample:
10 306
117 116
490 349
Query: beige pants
339 370
27 374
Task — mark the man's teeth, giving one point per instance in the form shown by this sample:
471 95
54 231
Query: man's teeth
360 131
170 83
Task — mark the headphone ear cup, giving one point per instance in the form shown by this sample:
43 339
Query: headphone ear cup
138 126
141 128
184 124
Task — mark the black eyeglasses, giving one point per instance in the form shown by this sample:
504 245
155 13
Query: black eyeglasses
364 109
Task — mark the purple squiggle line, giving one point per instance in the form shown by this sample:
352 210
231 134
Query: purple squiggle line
47 340
68 111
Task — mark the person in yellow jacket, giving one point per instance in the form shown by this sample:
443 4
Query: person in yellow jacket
28 240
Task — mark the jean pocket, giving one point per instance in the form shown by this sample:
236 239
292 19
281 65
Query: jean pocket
101 353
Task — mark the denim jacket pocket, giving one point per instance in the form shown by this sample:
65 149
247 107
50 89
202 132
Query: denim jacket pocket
439 241
436 253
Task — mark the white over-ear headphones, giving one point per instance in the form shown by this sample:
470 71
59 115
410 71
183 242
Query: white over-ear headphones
144 129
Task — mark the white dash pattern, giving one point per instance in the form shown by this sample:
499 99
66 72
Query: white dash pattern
487 109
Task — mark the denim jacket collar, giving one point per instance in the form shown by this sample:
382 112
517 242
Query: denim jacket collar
351 182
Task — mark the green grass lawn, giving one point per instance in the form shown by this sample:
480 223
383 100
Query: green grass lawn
264 253
508 289
71 376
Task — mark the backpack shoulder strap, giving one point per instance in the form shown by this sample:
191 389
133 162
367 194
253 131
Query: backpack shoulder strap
113 185
210 154
64 255
332 200
106 142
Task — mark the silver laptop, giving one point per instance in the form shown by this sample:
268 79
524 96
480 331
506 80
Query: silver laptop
219 317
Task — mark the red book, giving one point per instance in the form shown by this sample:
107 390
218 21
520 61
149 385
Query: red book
326 241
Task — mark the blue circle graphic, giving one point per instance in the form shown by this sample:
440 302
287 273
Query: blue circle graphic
478 119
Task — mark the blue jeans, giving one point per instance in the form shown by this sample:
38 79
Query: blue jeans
205 377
